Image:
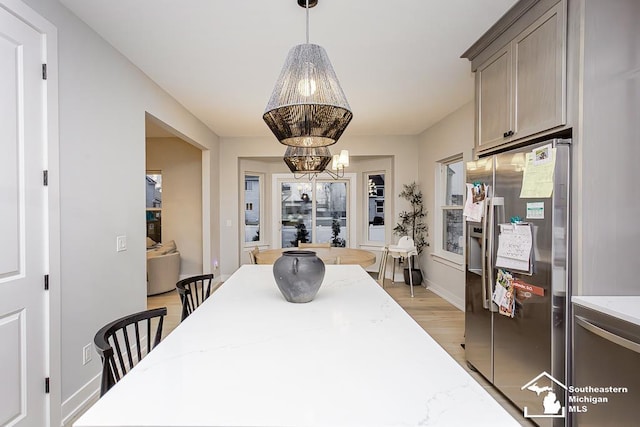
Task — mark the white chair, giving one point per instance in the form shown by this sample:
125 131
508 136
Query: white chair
404 249
405 241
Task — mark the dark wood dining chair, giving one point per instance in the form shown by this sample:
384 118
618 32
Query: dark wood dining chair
193 291
121 343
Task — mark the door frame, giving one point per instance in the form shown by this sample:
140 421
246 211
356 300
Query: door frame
52 251
276 212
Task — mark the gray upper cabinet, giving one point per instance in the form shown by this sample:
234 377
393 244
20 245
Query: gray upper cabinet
540 76
602 63
521 81
494 99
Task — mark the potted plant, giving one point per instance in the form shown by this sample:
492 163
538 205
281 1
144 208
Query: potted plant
412 224
336 240
302 234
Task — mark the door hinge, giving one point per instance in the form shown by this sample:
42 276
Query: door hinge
44 71
46 282
45 178
46 385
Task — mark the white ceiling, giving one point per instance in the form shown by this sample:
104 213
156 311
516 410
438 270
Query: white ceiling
398 61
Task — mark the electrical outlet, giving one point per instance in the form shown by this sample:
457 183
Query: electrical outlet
121 243
86 354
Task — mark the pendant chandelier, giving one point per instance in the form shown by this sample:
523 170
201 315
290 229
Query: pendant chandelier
307 107
307 160
311 161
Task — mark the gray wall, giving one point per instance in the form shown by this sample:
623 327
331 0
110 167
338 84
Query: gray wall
451 136
609 183
102 103
181 167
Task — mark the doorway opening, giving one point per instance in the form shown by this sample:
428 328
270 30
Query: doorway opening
175 214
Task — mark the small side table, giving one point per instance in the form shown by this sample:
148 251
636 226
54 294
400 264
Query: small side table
407 252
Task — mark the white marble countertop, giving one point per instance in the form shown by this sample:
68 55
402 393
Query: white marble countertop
246 357
623 307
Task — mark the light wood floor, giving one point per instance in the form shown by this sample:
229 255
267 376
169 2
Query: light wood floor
440 319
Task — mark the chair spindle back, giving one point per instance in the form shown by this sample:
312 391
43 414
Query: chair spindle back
119 341
193 291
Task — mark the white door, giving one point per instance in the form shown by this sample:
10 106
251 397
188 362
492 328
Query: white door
23 219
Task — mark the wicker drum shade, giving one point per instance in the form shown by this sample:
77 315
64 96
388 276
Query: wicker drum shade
307 160
307 107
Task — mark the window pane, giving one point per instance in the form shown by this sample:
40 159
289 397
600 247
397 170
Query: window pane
154 225
454 184
154 190
376 232
331 213
251 208
296 202
452 231
154 206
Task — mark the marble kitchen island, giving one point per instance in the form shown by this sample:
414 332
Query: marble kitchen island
246 357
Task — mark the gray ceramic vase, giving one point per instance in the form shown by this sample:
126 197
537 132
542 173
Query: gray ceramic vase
298 275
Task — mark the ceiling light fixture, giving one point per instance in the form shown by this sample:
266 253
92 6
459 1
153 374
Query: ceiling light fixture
307 107
312 161
340 161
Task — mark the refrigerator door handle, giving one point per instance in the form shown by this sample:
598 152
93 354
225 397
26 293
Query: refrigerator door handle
485 234
489 257
616 339
493 203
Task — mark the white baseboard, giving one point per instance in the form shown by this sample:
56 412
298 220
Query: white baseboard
446 294
80 401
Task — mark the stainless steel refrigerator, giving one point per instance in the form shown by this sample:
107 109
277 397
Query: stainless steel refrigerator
513 350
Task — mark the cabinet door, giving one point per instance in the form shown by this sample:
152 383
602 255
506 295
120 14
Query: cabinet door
539 64
493 95
604 350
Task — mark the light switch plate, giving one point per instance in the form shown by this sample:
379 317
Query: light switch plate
86 354
121 243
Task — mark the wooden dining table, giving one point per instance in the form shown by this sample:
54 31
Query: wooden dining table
331 255
247 357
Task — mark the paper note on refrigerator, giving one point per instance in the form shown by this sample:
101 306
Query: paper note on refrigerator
503 294
512 264
514 247
537 179
474 205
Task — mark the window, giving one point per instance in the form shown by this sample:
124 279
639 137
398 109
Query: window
451 191
314 211
375 206
252 200
154 205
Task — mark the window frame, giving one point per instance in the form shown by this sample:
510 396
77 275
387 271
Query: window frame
441 207
365 210
278 178
155 210
261 204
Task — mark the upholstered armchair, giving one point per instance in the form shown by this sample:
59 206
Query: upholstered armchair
163 268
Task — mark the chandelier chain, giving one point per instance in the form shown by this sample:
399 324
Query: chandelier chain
307 21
